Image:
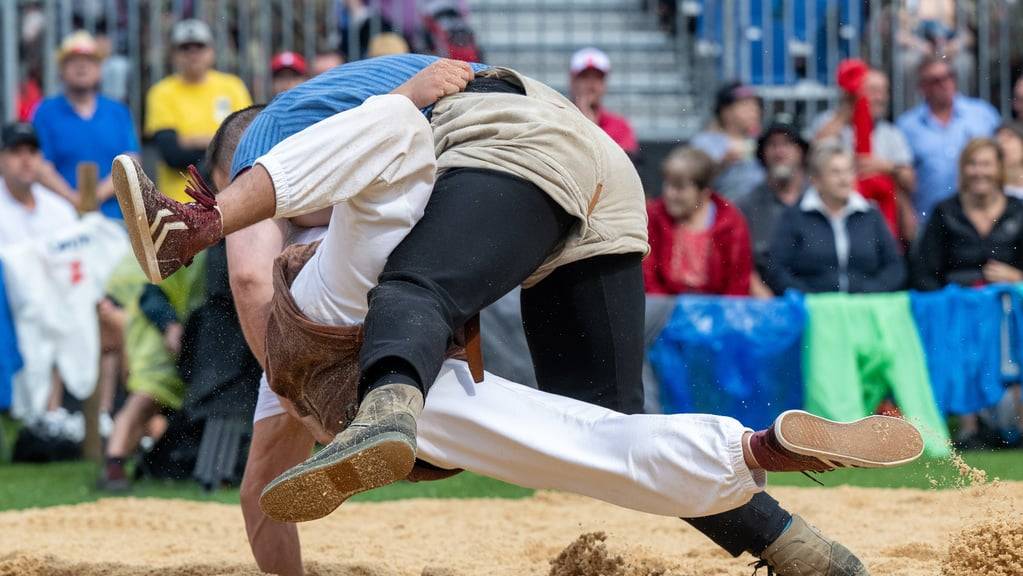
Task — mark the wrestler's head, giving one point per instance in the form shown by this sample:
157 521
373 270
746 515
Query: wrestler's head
220 151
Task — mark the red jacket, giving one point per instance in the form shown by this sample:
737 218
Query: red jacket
729 253
619 129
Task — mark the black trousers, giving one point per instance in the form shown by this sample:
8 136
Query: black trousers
482 234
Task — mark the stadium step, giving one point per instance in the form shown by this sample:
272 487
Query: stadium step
648 84
621 58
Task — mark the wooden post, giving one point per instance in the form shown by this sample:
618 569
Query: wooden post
88 181
92 445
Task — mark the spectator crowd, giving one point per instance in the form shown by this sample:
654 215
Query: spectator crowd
176 380
853 203
856 202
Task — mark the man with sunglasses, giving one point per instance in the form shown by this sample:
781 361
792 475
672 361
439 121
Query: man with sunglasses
938 129
184 110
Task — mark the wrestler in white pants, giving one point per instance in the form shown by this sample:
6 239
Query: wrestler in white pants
680 465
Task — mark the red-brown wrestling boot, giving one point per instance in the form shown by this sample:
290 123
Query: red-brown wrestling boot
801 442
165 234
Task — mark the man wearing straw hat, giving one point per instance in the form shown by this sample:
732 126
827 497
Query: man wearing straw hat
81 125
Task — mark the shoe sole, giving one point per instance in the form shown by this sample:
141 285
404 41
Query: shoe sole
871 442
309 493
129 197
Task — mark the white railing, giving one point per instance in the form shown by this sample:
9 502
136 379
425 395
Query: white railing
246 35
789 49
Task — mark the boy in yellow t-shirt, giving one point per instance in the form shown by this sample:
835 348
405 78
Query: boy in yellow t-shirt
184 110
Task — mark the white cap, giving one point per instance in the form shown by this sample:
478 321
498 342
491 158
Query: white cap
191 31
590 58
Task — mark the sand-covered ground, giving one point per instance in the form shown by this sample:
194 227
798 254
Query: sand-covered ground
896 532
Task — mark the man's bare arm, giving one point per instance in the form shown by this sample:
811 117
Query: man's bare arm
250 257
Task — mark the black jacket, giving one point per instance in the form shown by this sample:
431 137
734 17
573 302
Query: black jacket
950 251
803 255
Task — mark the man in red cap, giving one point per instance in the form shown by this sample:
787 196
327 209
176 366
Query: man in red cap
289 70
589 70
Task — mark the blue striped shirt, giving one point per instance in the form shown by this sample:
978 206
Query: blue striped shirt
339 89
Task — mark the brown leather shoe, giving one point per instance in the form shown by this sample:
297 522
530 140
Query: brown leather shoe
165 234
801 442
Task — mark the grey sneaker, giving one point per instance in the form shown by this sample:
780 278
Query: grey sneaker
378 448
803 551
165 234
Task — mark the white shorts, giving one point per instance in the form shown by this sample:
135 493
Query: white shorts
267 403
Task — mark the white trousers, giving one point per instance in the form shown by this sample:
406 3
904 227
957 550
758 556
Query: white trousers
674 465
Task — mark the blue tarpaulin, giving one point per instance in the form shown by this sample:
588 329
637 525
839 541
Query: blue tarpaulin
736 357
970 338
10 359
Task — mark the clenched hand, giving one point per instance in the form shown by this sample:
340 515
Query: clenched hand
442 78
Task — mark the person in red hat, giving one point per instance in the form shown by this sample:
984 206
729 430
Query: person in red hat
289 70
589 69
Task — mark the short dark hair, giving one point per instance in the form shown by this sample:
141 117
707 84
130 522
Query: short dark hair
694 165
789 132
220 151
732 92
931 60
